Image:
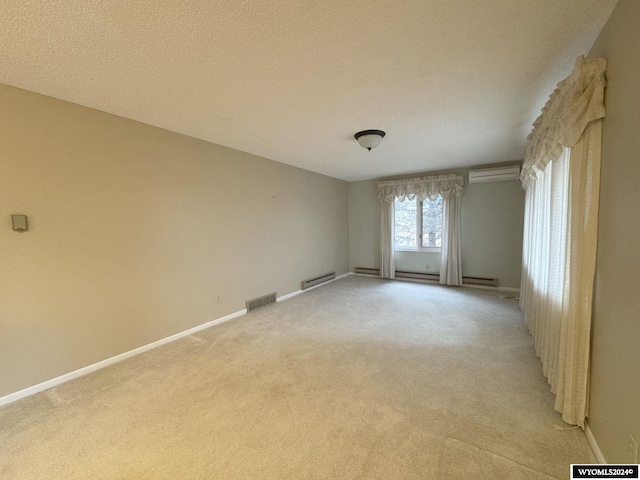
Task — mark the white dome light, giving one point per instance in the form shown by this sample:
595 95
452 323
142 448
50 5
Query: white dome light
369 138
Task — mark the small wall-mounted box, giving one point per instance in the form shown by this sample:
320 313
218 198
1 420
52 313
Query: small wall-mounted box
19 223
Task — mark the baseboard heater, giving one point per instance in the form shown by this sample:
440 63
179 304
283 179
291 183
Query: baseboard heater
490 282
318 280
434 277
367 271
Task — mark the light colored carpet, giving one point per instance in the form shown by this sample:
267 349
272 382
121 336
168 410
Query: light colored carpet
358 379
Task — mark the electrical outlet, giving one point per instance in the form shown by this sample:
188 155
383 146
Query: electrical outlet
428 266
633 449
217 298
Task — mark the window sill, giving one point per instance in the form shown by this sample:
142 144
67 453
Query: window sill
421 250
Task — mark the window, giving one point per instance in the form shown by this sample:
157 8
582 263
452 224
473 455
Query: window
418 225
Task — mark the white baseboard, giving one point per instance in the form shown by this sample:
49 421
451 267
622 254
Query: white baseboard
289 295
436 282
426 281
465 285
298 292
47 384
495 289
594 444
40 387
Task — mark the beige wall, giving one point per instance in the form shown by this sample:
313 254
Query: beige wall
364 225
134 232
492 226
615 373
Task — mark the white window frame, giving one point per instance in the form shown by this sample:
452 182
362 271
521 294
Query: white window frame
418 247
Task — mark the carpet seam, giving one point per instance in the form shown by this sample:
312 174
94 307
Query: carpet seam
500 456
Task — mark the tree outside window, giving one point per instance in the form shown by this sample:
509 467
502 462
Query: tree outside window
418 225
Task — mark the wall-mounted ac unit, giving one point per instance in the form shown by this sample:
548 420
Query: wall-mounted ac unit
494 174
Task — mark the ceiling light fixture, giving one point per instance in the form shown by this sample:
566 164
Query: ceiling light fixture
369 138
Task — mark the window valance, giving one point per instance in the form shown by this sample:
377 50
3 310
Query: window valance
421 188
576 101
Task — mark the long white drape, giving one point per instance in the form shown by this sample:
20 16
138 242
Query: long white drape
387 234
451 253
561 173
451 187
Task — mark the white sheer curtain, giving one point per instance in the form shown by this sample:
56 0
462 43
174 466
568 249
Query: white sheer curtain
561 174
451 187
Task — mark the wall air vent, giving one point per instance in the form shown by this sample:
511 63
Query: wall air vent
261 301
498 174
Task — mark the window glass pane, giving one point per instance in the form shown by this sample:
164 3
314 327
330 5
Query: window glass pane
405 226
432 222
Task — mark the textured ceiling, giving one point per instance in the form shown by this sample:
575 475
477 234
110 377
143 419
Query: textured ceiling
454 83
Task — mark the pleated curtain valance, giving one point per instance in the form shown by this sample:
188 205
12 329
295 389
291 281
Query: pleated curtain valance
421 188
574 104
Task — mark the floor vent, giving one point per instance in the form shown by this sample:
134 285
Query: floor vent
318 280
434 277
261 301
